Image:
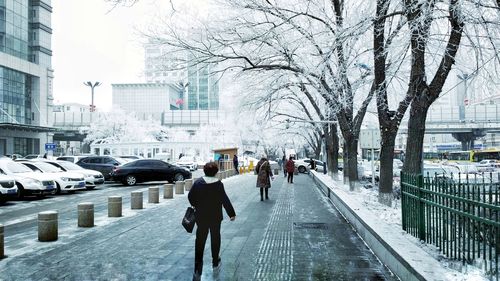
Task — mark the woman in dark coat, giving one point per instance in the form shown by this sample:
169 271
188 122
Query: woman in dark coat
264 177
208 197
290 168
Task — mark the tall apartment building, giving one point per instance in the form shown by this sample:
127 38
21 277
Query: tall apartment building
201 87
25 76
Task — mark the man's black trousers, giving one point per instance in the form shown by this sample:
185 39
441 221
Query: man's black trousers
201 238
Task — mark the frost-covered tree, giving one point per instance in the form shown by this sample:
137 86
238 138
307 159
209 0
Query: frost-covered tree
315 42
427 36
119 126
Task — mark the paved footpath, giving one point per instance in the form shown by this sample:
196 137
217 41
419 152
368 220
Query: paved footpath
295 235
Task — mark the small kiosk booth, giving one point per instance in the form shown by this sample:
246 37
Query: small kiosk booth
224 156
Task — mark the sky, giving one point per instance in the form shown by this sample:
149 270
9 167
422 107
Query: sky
92 43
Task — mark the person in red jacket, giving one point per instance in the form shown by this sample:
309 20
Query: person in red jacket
208 197
290 168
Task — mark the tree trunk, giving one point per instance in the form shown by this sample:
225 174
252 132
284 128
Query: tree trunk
386 168
345 165
332 150
415 140
352 162
317 148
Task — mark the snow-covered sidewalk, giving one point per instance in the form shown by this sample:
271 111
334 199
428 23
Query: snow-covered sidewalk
380 227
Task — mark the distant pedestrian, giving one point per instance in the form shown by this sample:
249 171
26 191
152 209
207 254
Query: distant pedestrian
312 164
264 177
45 155
283 160
208 197
235 163
290 168
220 161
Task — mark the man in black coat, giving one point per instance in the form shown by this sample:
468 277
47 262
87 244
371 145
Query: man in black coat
208 197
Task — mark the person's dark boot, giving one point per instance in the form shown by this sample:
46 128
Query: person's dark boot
216 265
196 276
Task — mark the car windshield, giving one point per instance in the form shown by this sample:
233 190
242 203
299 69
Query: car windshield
69 166
47 168
15 167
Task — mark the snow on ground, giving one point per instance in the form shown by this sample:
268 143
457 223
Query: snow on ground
392 216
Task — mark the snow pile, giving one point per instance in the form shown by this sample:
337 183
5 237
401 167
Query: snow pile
368 197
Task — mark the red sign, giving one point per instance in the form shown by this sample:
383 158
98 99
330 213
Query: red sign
179 101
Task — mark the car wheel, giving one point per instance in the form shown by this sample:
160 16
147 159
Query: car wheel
2 199
131 180
58 188
178 177
302 169
90 187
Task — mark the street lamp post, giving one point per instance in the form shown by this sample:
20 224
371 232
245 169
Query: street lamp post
92 106
92 86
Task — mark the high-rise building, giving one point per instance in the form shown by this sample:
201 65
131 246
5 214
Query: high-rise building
164 66
203 88
25 76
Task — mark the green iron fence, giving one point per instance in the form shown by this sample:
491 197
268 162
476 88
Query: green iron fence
456 213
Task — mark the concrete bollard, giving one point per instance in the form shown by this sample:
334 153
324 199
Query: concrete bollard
114 206
224 174
86 214
179 187
136 200
168 191
219 175
47 226
1 242
154 195
276 171
188 184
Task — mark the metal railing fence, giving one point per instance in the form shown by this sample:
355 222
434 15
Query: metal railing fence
456 213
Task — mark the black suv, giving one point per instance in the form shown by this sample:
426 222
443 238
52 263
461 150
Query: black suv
103 164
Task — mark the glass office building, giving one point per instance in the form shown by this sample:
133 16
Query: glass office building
203 88
25 76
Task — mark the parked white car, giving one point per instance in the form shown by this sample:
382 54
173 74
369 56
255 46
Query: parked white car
8 188
92 177
189 162
65 181
488 165
27 181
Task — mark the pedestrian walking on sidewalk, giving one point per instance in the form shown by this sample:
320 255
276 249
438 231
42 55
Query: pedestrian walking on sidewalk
290 168
264 177
208 197
235 163
284 165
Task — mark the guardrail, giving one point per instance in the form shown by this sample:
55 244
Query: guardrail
459 215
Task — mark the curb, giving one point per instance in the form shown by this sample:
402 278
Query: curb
409 263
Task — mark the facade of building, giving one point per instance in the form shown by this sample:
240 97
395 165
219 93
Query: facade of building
25 76
203 88
148 100
200 88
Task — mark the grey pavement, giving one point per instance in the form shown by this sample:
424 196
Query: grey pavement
296 235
